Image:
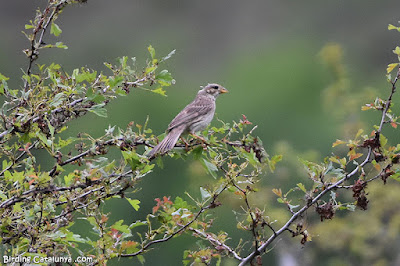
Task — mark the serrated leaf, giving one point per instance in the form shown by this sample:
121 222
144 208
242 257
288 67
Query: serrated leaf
391 67
134 203
29 26
376 165
61 45
150 69
164 78
68 179
302 187
159 91
2 77
366 107
168 56
2 195
151 51
338 142
85 76
392 27
55 29
205 195
115 81
277 192
95 96
17 206
136 224
383 140
121 227
359 132
141 259
57 100
98 110
211 168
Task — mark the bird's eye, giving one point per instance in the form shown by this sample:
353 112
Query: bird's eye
215 87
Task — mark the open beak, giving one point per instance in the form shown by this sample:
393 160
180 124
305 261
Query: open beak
223 90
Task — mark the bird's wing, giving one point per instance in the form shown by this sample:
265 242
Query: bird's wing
192 113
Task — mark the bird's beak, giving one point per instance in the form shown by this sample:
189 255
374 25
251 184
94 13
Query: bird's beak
223 90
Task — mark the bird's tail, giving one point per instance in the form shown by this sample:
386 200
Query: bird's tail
166 144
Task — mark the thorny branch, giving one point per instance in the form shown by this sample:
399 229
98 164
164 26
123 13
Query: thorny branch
263 247
212 204
41 28
216 243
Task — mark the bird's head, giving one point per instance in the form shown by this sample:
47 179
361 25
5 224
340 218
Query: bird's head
213 89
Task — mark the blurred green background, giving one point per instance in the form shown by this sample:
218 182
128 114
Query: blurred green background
270 55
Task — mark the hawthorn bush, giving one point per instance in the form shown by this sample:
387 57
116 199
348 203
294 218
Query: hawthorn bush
38 206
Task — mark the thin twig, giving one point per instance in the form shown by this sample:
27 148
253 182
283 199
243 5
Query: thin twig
216 242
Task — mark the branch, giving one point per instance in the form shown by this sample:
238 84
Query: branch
145 247
218 244
35 44
299 213
334 186
18 158
212 205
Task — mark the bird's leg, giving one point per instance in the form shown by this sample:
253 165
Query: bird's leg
200 138
186 144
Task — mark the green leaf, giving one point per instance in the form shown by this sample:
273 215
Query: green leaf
68 179
61 45
150 69
136 224
390 67
95 97
115 81
180 203
141 259
45 141
2 195
55 29
151 51
58 99
397 50
159 91
134 203
2 77
302 187
84 76
132 159
396 177
383 140
29 26
205 195
391 27
147 168
99 110
17 207
211 168
164 78
168 56
121 227
250 156
6 164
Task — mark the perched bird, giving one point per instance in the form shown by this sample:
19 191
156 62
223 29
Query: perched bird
193 118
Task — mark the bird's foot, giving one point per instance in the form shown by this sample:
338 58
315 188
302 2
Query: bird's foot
203 140
186 144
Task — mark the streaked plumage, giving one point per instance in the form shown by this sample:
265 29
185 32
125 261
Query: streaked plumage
193 118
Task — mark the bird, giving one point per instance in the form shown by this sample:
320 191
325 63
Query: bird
195 117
